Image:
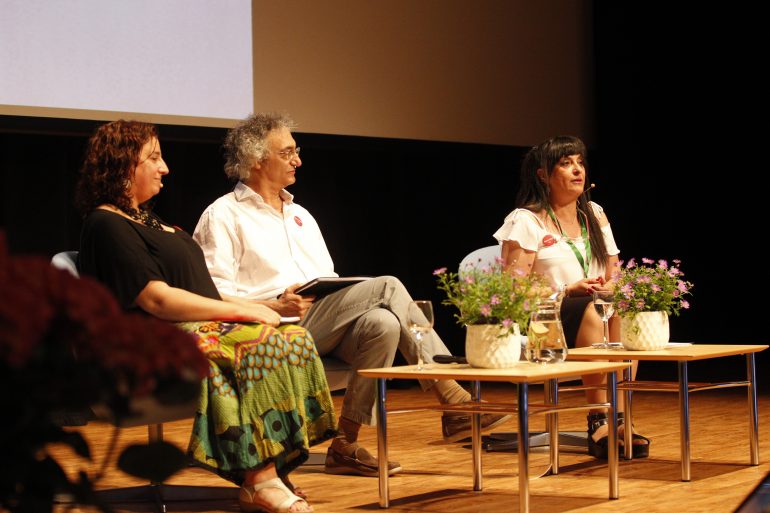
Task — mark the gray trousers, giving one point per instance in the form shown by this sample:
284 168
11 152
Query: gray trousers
363 325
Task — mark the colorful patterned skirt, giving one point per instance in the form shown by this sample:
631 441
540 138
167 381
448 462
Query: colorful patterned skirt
266 399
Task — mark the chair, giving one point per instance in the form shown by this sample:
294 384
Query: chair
337 375
67 261
480 257
484 257
149 412
337 372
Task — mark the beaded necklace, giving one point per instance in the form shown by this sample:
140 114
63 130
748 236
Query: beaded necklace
143 217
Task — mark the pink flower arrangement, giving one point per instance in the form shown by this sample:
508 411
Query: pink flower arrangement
651 286
490 295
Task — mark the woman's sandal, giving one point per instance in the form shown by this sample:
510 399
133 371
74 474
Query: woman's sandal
639 450
250 502
296 490
597 449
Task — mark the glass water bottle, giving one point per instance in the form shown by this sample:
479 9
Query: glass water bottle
545 336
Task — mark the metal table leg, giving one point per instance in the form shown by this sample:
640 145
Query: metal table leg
523 392
382 443
684 420
476 437
612 434
628 432
751 375
552 424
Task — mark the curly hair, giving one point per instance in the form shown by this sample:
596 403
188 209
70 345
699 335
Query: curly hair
534 194
111 157
246 143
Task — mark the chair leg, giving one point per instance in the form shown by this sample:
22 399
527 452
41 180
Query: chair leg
567 439
155 433
507 441
315 459
159 493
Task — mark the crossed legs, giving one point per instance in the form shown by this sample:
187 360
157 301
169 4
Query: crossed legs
590 331
364 325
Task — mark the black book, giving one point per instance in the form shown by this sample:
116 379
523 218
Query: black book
320 287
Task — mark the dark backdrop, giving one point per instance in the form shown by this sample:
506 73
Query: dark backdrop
676 166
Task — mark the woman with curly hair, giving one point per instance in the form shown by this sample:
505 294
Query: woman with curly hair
266 399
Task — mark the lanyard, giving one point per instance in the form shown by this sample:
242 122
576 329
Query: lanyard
587 243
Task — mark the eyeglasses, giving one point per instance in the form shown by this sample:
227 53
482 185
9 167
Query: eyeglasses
289 154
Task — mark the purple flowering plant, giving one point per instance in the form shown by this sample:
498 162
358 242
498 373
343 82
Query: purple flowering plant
650 286
487 294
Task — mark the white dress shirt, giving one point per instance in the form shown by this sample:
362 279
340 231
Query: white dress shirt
254 251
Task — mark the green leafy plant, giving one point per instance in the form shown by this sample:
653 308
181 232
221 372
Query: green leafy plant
650 287
490 295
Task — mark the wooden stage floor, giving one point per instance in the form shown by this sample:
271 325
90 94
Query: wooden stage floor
437 476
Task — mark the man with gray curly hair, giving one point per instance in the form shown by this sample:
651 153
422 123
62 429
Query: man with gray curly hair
260 246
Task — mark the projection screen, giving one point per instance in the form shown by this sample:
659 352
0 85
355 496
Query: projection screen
499 71
167 61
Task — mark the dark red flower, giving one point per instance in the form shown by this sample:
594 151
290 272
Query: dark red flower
65 344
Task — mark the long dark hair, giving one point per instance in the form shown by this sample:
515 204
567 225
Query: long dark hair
533 191
112 154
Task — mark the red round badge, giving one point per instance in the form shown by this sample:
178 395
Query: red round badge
549 240
298 220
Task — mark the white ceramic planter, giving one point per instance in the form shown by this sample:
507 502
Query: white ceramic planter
485 348
645 331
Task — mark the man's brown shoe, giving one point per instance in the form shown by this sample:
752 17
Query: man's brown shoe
354 459
456 426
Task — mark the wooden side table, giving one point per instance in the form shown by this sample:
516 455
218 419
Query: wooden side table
682 354
522 374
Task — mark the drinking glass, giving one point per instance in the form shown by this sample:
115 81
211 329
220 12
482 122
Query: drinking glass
605 307
420 322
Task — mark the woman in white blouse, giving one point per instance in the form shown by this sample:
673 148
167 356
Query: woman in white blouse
558 232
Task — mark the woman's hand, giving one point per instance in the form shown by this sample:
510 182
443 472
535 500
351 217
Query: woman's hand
264 315
585 287
173 304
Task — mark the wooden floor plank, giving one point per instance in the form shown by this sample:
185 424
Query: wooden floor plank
437 476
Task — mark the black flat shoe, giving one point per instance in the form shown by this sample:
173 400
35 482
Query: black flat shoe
639 450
